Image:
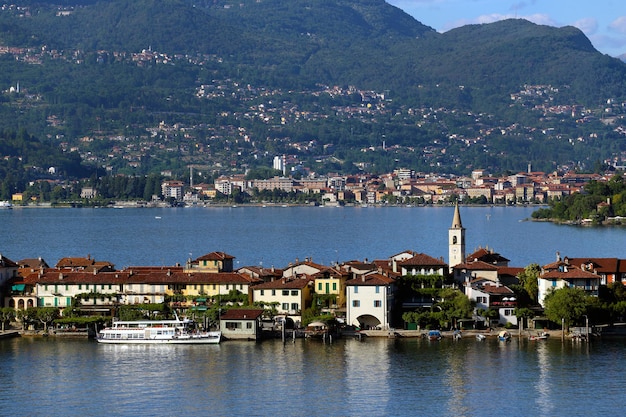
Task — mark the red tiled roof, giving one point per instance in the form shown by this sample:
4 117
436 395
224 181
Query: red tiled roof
599 264
571 273
241 314
421 259
215 256
74 262
370 280
509 270
284 283
55 276
477 266
495 289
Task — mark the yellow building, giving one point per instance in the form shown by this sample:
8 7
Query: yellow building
332 282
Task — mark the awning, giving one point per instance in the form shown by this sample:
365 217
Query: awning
199 308
200 300
18 287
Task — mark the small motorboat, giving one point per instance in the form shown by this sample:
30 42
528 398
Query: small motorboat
539 336
480 337
504 336
434 335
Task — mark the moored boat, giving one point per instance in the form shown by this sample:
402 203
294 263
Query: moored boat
538 336
504 336
157 332
434 335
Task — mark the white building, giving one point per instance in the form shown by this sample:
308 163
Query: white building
172 189
369 300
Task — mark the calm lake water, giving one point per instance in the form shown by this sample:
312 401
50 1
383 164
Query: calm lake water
348 378
375 377
277 236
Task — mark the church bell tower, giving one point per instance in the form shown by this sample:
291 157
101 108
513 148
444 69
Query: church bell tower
456 240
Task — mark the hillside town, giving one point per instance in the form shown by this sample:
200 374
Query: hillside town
360 294
406 186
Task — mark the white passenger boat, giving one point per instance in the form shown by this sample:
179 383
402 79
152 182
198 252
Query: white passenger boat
157 332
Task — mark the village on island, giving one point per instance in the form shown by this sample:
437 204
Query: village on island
408 294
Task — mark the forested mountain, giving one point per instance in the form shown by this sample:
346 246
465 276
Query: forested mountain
139 86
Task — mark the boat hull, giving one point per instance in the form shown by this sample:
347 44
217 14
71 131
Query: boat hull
200 340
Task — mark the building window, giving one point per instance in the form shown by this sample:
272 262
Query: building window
285 292
294 306
356 290
319 287
294 293
334 286
233 325
248 325
273 292
378 303
377 289
508 312
285 306
356 303
262 292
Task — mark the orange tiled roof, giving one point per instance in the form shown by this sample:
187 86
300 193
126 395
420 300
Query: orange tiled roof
370 280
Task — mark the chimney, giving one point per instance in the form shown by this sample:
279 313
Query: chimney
363 278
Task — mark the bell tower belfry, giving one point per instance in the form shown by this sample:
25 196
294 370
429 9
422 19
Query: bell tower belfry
456 240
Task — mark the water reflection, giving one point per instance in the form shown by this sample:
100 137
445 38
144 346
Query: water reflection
543 397
346 378
367 377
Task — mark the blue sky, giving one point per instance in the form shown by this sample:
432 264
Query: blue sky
603 21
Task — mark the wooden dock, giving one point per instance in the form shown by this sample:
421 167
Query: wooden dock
9 333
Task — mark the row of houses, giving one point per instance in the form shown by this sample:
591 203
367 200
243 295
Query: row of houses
363 293
520 187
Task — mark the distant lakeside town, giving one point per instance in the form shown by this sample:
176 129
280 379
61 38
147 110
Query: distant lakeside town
406 292
403 186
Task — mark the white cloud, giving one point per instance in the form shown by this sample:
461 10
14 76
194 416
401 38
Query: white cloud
618 25
589 25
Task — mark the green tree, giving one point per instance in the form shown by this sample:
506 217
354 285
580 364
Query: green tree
7 314
46 315
453 305
568 304
529 280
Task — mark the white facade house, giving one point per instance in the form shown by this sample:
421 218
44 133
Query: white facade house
567 276
291 295
172 189
489 295
369 300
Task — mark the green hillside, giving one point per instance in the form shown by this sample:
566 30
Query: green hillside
328 81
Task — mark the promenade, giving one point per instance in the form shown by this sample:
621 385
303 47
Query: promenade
6 334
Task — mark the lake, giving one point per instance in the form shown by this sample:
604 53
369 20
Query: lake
375 377
48 377
266 236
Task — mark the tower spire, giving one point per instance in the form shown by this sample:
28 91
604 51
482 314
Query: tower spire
456 242
456 219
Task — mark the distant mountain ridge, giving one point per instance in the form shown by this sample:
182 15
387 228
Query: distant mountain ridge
365 42
347 80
